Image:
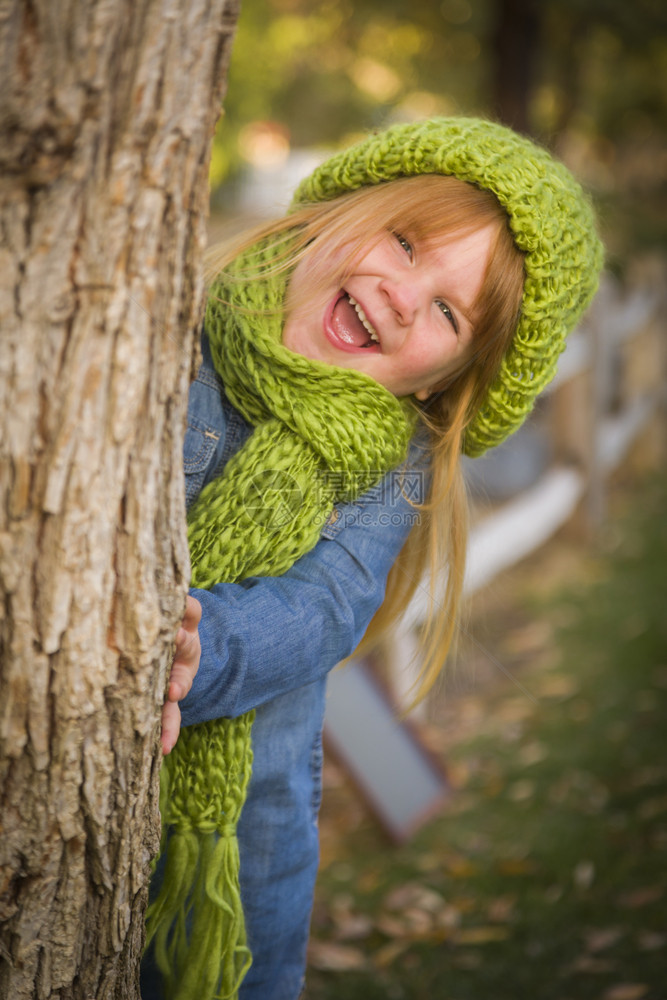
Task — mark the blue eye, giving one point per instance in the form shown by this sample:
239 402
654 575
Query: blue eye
447 313
405 244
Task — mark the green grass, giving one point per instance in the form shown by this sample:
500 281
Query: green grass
546 877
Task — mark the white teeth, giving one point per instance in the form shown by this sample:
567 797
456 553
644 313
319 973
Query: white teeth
364 319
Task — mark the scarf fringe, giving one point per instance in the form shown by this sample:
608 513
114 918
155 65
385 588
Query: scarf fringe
196 922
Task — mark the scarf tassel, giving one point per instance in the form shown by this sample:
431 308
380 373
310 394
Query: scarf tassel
197 921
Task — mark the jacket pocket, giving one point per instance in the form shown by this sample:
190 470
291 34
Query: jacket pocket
198 452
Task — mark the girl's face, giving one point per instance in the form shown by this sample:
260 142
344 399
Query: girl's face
405 315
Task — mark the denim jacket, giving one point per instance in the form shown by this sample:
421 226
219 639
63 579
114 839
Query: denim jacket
319 608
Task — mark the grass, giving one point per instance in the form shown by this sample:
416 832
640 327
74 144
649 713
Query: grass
546 875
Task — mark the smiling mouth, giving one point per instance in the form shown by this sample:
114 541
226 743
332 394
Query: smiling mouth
349 328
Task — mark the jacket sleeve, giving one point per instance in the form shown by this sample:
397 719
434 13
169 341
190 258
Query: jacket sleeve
269 635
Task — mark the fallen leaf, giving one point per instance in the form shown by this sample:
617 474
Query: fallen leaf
583 874
388 953
352 926
448 917
532 753
464 904
467 959
461 868
651 940
481 935
330 957
413 924
516 866
419 923
640 897
429 861
651 808
553 894
521 790
501 910
588 963
390 926
369 881
626 991
413 894
597 939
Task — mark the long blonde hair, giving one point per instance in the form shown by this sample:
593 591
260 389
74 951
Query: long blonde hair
435 208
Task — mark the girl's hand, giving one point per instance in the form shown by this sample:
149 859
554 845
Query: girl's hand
183 670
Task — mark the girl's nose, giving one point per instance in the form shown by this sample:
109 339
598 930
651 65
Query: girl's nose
402 295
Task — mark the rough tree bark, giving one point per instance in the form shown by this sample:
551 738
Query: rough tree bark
107 112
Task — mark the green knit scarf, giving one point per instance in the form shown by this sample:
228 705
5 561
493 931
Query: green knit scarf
320 435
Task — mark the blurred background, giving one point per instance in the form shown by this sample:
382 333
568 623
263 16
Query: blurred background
586 77
540 866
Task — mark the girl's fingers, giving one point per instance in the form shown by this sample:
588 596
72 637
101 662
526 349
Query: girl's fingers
180 680
192 614
171 726
183 670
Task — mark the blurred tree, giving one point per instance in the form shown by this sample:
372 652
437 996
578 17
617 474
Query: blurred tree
603 59
516 49
601 100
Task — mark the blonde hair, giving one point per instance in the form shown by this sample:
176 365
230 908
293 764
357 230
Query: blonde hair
437 208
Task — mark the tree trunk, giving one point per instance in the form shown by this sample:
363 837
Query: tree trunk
107 112
516 46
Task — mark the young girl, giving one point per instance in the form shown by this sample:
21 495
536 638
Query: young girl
408 309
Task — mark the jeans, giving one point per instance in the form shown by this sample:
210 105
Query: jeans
279 842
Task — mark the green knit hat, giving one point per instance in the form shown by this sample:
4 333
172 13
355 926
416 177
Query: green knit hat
549 215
